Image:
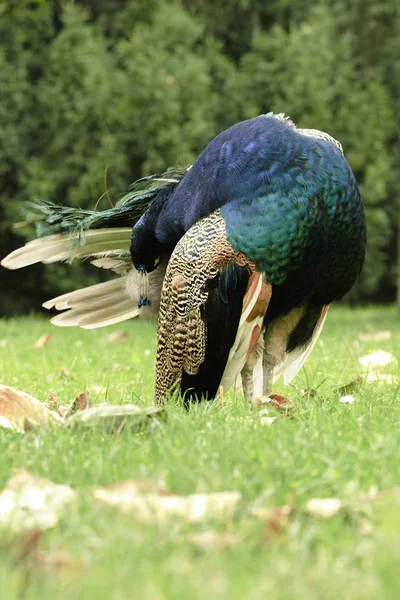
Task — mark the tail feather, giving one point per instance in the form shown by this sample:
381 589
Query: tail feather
50 218
118 265
92 293
65 234
110 315
63 247
109 302
99 315
95 306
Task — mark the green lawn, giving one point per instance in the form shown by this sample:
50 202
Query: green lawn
323 448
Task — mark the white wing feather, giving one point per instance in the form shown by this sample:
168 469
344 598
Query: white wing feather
61 247
101 304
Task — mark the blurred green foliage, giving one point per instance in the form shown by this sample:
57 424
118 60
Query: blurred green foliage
95 94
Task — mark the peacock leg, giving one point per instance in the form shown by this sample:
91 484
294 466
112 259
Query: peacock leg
248 381
269 363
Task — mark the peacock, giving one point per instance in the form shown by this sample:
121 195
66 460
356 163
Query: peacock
238 256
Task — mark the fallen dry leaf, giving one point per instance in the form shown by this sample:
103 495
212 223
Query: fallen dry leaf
153 507
28 502
82 402
324 507
378 358
276 400
278 520
114 418
21 411
43 340
116 337
375 336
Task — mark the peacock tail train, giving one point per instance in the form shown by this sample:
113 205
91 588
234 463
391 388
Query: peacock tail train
51 218
103 237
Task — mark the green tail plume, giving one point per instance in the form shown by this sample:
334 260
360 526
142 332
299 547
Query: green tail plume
50 218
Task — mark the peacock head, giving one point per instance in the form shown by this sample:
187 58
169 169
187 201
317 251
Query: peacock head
145 250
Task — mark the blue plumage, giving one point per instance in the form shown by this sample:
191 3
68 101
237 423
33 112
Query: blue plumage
291 206
287 199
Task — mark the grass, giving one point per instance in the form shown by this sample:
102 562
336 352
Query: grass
324 449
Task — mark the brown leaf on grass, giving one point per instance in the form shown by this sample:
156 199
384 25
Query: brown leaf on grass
21 411
281 402
117 337
153 507
278 520
82 402
276 400
43 340
375 336
28 502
